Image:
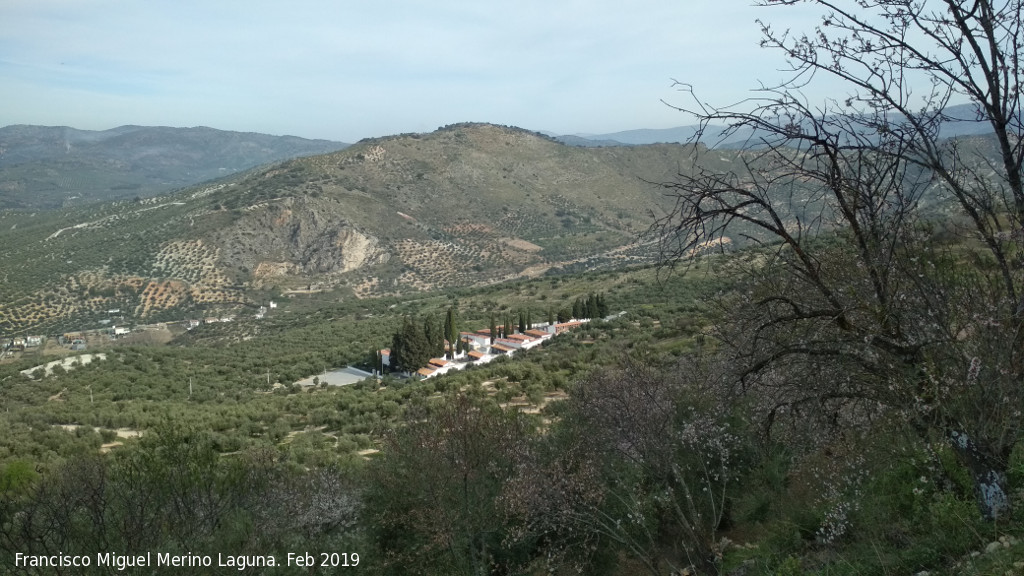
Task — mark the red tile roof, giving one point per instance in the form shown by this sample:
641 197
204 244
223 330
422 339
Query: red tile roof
475 355
438 362
502 348
424 371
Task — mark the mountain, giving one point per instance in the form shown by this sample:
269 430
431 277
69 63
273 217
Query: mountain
46 167
962 122
469 204
588 141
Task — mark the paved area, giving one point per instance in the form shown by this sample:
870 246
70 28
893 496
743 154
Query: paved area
342 377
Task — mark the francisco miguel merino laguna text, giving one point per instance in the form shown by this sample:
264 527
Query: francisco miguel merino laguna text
122 561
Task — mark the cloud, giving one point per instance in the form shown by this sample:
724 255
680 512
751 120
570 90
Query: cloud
346 70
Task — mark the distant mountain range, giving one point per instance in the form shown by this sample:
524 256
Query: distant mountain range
466 205
54 166
965 123
49 167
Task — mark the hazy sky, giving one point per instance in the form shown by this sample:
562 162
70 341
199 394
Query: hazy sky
346 70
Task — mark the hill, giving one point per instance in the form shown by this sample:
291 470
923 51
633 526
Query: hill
470 204
46 167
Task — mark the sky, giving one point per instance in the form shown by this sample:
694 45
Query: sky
346 70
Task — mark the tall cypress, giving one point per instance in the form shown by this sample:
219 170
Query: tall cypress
451 332
434 337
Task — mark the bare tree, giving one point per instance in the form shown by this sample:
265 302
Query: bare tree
844 199
641 464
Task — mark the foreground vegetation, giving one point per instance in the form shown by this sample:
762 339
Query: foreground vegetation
649 462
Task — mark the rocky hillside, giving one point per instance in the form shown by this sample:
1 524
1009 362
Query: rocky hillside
466 205
46 167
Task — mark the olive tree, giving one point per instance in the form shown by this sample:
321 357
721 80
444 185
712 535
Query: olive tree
860 303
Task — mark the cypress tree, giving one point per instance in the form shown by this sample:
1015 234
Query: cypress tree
451 332
416 348
522 322
397 346
434 337
448 325
494 329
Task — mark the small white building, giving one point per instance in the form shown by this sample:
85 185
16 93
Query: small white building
476 340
